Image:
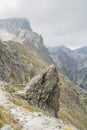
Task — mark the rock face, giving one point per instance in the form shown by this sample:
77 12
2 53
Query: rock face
43 91
72 63
16 64
34 43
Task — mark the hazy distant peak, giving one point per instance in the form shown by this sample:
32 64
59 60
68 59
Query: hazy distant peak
64 48
59 48
13 25
82 50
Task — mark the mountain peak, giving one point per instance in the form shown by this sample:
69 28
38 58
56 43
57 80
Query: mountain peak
13 25
61 48
81 50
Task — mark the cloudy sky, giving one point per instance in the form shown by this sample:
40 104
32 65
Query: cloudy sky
60 22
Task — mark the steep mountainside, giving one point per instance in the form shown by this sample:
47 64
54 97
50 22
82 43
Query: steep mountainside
73 103
31 91
72 63
17 65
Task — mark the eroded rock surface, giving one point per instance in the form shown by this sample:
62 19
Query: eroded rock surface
43 91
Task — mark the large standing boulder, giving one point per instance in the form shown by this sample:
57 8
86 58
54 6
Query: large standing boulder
43 91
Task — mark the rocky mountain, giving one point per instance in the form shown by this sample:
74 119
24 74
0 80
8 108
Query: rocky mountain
82 50
19 30
34 95
17 65
72 63
14 25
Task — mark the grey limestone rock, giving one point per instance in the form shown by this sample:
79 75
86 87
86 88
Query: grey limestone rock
43 91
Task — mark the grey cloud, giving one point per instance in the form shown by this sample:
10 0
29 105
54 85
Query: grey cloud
59 21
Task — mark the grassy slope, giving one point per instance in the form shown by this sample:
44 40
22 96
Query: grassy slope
73 105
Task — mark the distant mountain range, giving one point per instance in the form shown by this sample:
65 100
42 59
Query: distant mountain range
72 63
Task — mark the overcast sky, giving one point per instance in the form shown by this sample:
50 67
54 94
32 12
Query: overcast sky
60 22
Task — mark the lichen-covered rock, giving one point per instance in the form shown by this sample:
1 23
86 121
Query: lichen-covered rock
43 91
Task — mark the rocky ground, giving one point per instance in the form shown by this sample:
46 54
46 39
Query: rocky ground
25 118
